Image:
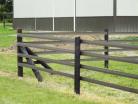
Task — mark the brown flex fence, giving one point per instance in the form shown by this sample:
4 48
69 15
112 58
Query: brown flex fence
32 57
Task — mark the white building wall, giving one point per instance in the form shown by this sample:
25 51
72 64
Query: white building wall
24 8
127 7
87 8
43 8
64 8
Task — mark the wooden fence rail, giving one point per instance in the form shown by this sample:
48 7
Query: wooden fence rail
24 51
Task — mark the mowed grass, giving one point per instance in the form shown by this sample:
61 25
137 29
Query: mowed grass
8 30
64 86
7 41
14 91
7 36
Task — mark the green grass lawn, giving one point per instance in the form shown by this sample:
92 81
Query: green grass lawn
8 30
7 41
14 91
63 86
6 38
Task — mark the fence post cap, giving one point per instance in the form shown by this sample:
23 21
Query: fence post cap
19 30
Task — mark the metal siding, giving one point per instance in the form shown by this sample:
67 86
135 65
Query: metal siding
126 24
44 24
24 23
64 24
26 20
94 23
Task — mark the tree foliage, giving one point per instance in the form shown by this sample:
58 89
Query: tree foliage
5 7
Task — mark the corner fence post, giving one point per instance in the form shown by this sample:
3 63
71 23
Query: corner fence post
77 65
19 59
106 48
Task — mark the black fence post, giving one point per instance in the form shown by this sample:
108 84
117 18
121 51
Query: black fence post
19 59
77 66
106 48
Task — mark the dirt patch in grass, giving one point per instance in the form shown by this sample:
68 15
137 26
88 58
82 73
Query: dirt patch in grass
6 74
8 49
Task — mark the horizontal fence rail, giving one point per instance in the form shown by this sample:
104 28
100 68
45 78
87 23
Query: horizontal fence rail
110 44
31 51
43 69
46 60
129 60
47 37
78 33
47 42
123 74
110 85
44 47
62 33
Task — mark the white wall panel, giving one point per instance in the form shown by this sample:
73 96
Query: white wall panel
94 8
44 8
127 7
24 8
64 8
